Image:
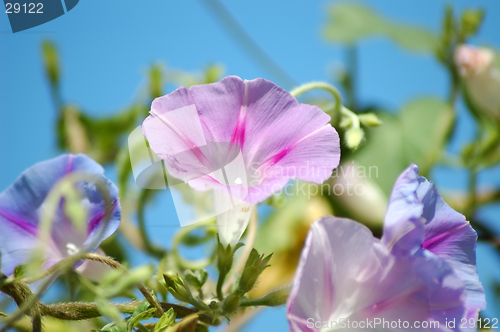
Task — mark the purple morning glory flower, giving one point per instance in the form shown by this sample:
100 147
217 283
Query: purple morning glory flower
201 130
22 203
421 275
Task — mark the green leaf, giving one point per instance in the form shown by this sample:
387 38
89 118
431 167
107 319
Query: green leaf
497 59
470 23
277 231
425 125
349 23
119 282
51 62
102 137
382 153
166 320
416 135
124 168
20 271
142 312
112 327
156 81
213 73
197 278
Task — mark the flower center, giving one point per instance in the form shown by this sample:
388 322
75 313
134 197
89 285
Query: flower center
71 249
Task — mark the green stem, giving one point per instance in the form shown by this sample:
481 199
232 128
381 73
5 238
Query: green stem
114 264
455 84
323 86
339 108
177 240
352 60
273 299
150 247
471 206
220 284
77 311
100 259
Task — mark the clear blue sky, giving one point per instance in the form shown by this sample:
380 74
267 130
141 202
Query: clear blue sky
106 46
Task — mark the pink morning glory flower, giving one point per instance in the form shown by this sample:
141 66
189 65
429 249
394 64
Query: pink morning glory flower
420 276
259 133
21 207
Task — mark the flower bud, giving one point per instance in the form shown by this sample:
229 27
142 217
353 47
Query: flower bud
231 304
353 137
254 266
369 120
178 288
225 257
361 196
481 78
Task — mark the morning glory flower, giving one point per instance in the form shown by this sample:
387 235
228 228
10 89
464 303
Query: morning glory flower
254 130
22 204
421 275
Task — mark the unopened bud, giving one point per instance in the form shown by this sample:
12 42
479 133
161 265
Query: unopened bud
255 265
276 298
472 61
225 256
231 304
369 120
177 288
481 78
353 137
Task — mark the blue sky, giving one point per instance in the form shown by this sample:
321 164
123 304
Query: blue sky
106 46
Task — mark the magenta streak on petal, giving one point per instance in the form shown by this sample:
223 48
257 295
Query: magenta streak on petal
69 167
239 131
273 161
97 219
190 145
432 241
378 307
25 226
280 155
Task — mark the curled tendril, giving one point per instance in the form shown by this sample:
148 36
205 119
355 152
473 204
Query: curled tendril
179 238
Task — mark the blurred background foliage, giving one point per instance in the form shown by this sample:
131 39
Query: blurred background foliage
419 132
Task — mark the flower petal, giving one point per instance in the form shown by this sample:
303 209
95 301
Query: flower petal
345 273
278 137
232 217
335 258
22 203
16 245
450 237
403 223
